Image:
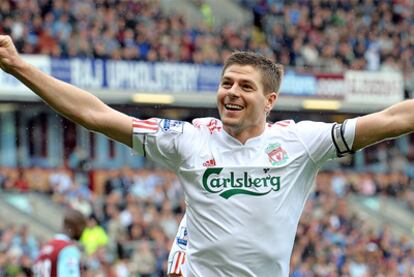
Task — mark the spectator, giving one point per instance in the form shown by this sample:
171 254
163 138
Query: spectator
143 261
93 237
21 184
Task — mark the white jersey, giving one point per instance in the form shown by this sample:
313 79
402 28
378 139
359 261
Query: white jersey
243 201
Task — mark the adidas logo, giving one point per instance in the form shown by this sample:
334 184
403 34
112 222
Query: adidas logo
209 163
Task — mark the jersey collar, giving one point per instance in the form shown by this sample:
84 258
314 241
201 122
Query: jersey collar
251 142
62 237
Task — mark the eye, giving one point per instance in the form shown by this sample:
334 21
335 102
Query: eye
247 87
226 84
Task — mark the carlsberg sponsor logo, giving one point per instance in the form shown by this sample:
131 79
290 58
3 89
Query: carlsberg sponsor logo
232 183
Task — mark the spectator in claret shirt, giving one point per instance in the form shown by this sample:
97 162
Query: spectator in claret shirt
61 257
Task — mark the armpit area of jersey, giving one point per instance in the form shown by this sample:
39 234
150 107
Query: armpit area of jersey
339 140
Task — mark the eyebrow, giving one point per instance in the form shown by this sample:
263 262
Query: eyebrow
225 78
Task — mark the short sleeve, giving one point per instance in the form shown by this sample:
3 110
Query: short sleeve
68 262
317 138
164 141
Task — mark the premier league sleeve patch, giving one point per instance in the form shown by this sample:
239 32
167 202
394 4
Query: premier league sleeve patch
182 238
168 125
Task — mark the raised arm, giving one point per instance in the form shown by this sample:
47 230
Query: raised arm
390 123
75 104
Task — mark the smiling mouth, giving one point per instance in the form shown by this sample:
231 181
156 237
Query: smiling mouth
233 107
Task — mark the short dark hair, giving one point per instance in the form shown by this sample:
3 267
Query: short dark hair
271 72
73 223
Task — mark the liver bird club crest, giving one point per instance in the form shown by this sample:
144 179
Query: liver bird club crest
277 155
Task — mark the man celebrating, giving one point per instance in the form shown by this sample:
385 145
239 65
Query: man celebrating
245 181
61 256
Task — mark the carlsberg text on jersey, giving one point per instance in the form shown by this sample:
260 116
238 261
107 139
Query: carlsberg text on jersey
231 183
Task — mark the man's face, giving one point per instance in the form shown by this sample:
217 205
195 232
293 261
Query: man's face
241 100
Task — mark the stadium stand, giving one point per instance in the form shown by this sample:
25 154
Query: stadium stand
138 210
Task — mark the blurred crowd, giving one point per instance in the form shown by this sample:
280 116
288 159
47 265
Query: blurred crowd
131 30
335 35
331 241
131 225
317 35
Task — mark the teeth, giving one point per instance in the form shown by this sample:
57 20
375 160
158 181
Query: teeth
233 107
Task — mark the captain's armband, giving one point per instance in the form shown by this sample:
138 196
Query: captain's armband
342 146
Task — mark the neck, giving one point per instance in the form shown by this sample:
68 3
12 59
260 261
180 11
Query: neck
246 133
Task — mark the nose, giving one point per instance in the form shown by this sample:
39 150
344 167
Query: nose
233 91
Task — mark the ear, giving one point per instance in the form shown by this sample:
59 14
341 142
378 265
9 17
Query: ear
271 99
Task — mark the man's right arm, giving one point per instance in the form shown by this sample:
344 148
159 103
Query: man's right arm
75 104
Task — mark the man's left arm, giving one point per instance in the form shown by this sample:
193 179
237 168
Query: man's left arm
392 122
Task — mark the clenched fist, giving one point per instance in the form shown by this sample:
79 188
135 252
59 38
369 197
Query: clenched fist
9 58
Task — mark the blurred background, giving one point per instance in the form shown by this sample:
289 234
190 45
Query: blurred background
162 58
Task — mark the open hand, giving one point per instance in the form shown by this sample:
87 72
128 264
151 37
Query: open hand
9 58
